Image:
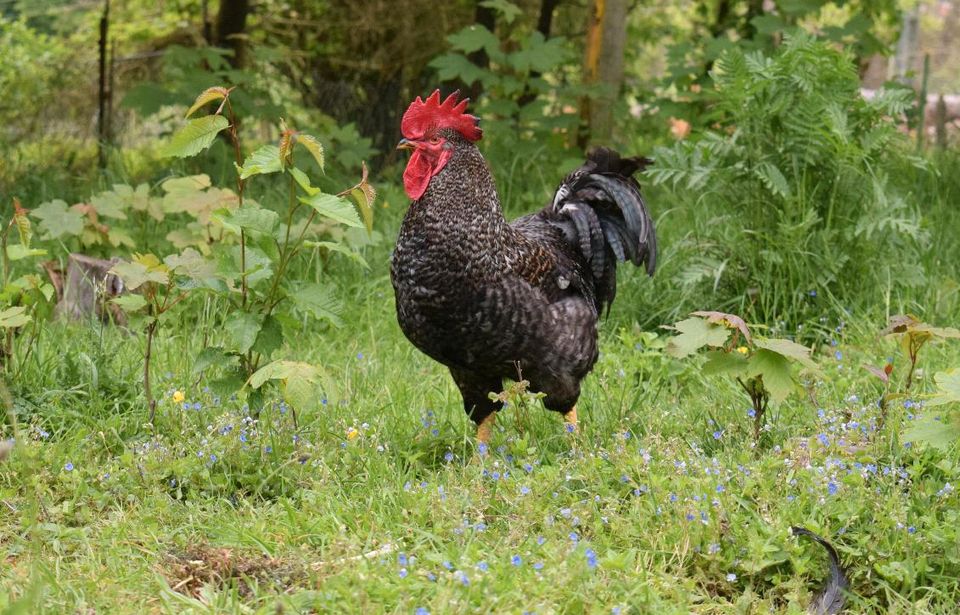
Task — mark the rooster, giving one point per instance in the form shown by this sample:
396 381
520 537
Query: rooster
491 299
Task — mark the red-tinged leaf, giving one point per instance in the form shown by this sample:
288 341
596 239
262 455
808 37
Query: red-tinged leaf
208 96
313 146
731 321
888 368
287 137
882 374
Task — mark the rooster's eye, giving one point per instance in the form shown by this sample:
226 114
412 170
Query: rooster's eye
434 140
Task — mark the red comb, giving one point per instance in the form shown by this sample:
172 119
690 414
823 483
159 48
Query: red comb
422 115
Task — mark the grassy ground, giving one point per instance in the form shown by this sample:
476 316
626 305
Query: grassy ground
379 501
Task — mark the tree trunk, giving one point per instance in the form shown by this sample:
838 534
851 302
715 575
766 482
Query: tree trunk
603 68
231 27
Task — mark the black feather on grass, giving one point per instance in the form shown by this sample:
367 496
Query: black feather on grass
831 598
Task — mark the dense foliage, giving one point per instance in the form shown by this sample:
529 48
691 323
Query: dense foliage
254 434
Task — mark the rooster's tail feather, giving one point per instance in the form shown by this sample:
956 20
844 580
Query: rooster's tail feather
606 216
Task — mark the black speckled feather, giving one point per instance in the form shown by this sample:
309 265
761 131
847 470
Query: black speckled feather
484 297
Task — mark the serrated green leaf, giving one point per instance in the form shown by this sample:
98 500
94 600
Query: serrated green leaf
312 145
241 329
214 356
363 194
774 369
695 333
130 302
262 162
14 317
720 362
789 349
941 434
248 218
270 337
300 392
111 203
18 252
207 96
57 220
339 248
473 38
303 181
318 301
191 264
335 208
136 274
508 10
195 137
282 370
948 388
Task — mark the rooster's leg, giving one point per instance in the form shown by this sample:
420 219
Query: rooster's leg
570 418
485 428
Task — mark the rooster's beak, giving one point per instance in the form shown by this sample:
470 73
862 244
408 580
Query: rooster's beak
405 144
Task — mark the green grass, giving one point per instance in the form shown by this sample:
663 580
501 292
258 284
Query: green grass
663 485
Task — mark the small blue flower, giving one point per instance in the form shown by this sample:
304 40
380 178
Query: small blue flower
359 356
483 566
268 449
403 573
541 540
524 490
196 405
717 435
591 558
482 448
516 560
570 427
68 467
911 530
402 559
731 577
421 611
213 458
838 355
538 566
448 457
832 488
448 565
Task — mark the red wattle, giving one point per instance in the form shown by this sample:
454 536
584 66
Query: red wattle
419 170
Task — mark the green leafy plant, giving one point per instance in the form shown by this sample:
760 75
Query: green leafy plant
528 101
913 335
27 299
793 182
248 250
762 367
941 431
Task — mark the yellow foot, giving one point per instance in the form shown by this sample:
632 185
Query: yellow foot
485 428
570 420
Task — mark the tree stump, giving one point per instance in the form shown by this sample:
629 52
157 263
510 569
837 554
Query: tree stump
86 290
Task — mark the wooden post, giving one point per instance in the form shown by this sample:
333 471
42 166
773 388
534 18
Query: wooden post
102 93
940 122
603 67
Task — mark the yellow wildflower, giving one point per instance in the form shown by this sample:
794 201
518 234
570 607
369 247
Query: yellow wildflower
743 350
178 397
352 433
